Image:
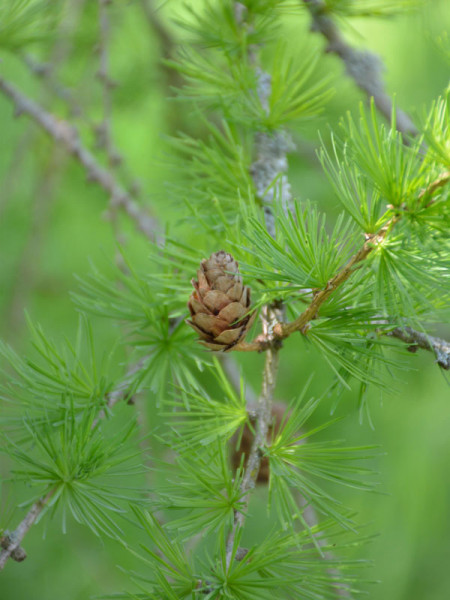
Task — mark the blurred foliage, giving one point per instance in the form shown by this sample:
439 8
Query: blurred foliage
53 223
25 22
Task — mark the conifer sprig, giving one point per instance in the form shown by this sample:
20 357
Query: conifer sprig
374 241
298 464
86 472
52 431
38 383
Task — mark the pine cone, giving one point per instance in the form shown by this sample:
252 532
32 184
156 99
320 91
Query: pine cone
220 303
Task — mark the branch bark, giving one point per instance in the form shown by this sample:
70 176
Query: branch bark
417 339
365 68
103 130
263 418
11 542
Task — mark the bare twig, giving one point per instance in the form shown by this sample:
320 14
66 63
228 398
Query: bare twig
45 72
263 418
311 518
11 542
152 13
69 25
417 339
123 390
364 67
63 132
232 371
12 177
103 131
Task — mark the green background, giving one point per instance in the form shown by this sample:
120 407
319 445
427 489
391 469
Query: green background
53 223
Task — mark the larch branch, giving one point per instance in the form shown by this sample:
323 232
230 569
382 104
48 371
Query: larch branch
10 543
271 162
283 330
364 67
417 339
263 419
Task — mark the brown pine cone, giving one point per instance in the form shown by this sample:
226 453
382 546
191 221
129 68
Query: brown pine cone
220 303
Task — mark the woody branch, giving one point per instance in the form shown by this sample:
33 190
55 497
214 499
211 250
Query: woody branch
282 330
365 68
270 164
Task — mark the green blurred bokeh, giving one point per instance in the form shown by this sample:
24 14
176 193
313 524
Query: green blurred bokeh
53 222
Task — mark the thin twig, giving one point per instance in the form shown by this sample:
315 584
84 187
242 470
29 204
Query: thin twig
152 13
66 134
270 163
11 542
123 390
283 330
263 418
417 339
13 177
45 72
439 182
103 131
364 67
234 376
312 519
